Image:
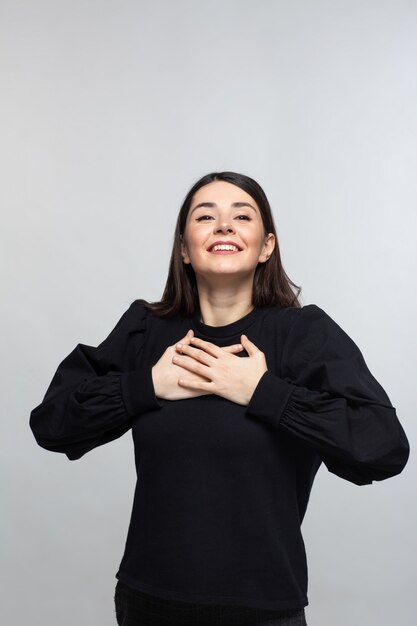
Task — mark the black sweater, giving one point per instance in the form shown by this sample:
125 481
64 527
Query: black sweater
222 488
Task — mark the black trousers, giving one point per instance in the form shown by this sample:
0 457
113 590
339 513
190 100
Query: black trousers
135 608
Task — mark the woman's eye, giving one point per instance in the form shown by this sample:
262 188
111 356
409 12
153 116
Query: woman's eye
202 217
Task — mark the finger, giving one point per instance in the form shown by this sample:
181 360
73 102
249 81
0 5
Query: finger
190 366
187 337
195 353
237 347
249 345
196 384
208 347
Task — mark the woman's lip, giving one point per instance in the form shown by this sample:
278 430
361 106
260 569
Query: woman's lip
224 251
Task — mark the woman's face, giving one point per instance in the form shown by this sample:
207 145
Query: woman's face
221 211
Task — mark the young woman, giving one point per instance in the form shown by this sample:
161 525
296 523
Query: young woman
235 394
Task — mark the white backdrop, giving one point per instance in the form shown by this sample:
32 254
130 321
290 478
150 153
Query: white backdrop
110 111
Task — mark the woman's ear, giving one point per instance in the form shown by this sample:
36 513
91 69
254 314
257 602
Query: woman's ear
184 253
268 248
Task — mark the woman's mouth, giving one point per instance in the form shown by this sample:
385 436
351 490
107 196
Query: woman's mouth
224 249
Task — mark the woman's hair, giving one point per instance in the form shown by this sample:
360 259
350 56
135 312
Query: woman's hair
271 284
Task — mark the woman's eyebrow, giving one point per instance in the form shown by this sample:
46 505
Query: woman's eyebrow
212 205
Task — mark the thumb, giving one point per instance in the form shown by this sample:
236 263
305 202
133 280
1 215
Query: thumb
248 345
188 336
186 340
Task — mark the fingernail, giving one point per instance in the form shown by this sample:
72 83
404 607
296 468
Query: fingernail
179 345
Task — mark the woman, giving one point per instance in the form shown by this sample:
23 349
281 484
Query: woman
235 395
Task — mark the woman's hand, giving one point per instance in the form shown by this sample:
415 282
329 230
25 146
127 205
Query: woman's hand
165 373
219 371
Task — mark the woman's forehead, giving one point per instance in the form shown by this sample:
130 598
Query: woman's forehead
224 195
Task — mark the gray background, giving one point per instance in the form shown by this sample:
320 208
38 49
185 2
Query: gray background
110 112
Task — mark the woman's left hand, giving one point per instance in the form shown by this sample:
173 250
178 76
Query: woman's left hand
229 376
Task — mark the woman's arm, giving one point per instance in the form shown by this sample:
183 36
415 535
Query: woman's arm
328 398
93 396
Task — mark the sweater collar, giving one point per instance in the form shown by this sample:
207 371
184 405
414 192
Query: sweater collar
233 329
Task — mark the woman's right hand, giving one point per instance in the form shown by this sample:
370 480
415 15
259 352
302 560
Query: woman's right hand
165 373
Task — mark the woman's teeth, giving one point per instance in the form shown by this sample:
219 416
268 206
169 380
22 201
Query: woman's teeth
224 247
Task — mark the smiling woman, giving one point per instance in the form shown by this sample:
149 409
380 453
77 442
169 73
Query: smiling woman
235 396
225 207
224 240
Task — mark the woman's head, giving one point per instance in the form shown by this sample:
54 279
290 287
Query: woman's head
208 215
221 212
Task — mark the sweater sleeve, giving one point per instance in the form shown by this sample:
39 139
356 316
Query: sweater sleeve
94 394
328 398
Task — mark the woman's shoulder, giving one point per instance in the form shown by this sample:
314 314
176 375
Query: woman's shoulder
292 314
141 316
137 314
312 327
133 318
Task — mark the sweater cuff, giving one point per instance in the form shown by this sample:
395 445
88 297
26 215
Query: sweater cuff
138 391
270 398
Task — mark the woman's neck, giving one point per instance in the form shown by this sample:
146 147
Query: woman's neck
221 316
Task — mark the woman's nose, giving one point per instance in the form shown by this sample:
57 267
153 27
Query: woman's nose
225 227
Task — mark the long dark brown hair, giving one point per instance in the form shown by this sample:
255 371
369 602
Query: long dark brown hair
271 285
